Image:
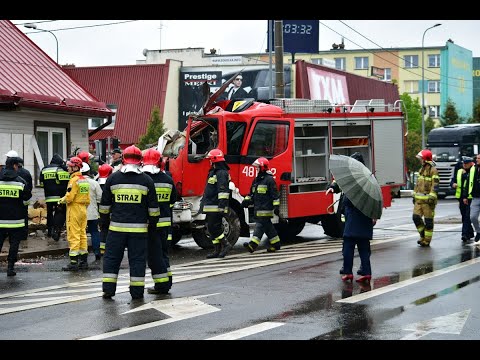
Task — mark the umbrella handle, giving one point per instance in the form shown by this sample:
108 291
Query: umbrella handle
330 209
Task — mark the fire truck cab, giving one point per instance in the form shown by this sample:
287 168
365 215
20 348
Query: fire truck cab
297 136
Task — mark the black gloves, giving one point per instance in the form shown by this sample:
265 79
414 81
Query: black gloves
276 210
246 203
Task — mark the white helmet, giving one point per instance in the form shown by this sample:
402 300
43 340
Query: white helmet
85 168
11 153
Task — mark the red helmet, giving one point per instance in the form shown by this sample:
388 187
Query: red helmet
104 170
152 157
84 156
425 155
75 161
215 155
262 163
132 155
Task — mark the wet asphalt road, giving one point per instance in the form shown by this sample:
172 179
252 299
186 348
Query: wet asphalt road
295 294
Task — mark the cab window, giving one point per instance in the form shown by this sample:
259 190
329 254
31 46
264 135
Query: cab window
268 139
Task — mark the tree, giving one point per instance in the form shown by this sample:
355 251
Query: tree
154 130
450 115
414 145
476 112
414 114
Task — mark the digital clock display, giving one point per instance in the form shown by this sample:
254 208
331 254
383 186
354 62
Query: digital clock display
299 36
301 29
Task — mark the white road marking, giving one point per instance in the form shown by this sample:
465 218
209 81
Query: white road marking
401 284
241 333
178 309
448 324
231 264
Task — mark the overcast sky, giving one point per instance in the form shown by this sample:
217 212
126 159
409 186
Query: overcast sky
123 43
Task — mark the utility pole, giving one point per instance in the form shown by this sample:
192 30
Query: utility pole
279 79
270 70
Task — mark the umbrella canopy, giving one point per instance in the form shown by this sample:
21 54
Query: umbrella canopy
358 184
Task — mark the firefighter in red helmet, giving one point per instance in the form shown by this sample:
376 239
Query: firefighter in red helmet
128 209
265 200
77 199
158 260
215 201
425 197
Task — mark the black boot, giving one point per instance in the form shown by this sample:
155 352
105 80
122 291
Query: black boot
250 246
73 265
225 248
10 271
56 233
216 251
49 232
83 265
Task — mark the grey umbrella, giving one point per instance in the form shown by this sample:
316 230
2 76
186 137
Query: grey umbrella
358 184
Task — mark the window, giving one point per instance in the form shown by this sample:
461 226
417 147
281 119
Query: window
388 75
269 139
51 141
203 137
94 123
411 86
235 133
340 63
411 61
317 61
434 111
434 86
361 63
434 60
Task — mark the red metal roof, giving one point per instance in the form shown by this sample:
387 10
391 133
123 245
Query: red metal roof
102 134
134 89
30 78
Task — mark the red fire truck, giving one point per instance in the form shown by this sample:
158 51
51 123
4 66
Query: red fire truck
296 136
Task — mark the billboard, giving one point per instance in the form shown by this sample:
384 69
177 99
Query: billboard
256 82
326 85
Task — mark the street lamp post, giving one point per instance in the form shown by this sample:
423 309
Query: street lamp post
423 87
34 26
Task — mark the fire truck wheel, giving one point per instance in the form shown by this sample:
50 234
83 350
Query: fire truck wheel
288 230
332 225
231 227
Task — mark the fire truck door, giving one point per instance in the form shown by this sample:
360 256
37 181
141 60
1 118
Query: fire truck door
272 139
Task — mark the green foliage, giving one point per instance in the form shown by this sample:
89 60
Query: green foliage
154 130
450 115
414 145
476 112
414 114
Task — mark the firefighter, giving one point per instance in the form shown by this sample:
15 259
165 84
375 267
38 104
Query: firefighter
14 194
425 197
54 179
77 199
129 209
85 156
158 260
215 202
265 200
104 171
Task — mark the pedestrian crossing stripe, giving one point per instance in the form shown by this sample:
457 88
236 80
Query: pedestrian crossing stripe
88 289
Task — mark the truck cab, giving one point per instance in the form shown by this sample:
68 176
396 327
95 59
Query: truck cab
448 144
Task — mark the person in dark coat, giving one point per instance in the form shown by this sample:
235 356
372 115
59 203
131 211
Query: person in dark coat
25 175
336 189
14 193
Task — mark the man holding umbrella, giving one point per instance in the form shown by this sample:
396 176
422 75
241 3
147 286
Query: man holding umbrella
363 205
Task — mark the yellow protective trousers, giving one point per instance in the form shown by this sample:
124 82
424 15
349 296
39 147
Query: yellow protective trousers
76 229
423 215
